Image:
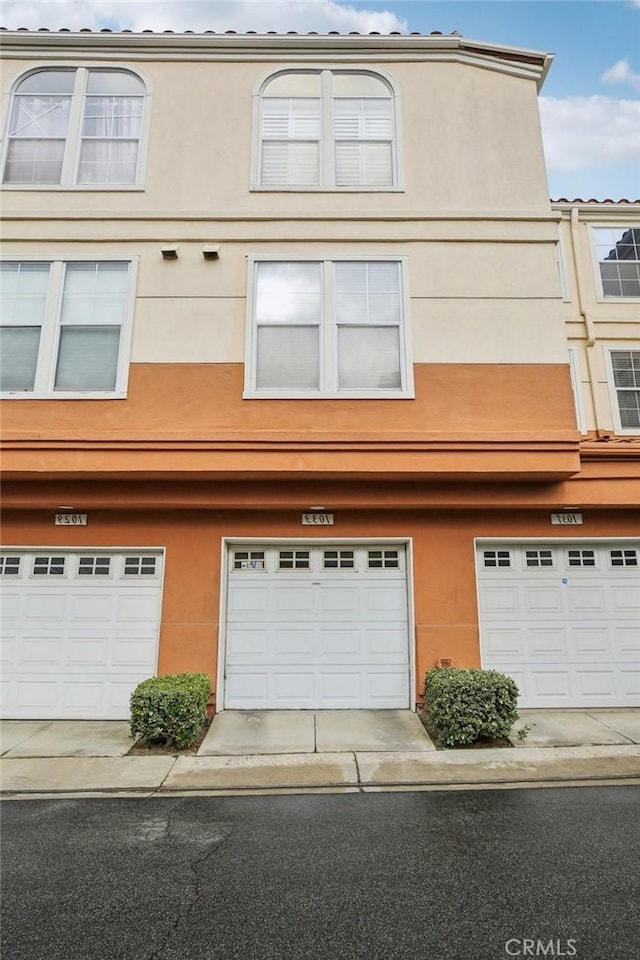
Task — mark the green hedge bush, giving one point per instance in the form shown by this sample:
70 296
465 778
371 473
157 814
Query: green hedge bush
466 705
172 708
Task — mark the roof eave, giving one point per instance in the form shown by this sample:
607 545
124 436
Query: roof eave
595 207
530 63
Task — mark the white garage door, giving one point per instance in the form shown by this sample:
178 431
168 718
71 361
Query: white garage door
80 630
317 626
563 619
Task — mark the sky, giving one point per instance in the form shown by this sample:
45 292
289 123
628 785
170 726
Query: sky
590 102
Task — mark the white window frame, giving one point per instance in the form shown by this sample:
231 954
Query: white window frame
613 390
623 565
93 576
537 549
49 555
601 297
50 332
73 139
576 385
328 340
326 141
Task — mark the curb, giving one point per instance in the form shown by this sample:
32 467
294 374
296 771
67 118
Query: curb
320 788
319 772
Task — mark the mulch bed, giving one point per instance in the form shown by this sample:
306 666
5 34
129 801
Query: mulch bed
142 748
481 744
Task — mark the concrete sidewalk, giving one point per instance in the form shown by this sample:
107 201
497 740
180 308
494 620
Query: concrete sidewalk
265 732
345 754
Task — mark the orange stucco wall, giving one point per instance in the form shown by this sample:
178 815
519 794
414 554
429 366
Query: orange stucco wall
443 587
202 401
190 419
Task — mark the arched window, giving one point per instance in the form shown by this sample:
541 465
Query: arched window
75 126
327 129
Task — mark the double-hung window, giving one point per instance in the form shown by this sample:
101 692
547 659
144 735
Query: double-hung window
327 129
328 328
65 328
75 126
618 254
625 379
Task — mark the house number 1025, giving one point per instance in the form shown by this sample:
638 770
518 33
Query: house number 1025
317 519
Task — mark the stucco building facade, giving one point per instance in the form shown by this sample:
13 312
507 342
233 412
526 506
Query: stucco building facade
307 384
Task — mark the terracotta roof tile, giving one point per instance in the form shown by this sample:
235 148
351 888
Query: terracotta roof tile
310 33
592 200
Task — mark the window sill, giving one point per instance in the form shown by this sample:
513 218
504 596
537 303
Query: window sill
29 395
72 188
297 189
609 300
355 395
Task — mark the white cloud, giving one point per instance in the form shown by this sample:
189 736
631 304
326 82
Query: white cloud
198 15
621 72
582 132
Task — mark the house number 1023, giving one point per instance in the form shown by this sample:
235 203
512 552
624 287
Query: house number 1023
317 519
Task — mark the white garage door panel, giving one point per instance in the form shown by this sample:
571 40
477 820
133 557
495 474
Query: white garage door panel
280 645
132 652
628 639
86 697
631 683
76 645
627 600
519 643
295 688
591 684
566 631
316 636
546 602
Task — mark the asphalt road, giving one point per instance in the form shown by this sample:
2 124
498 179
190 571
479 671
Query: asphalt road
479 875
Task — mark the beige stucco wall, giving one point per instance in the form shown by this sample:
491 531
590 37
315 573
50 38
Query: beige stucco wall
468 302
471 215
199 145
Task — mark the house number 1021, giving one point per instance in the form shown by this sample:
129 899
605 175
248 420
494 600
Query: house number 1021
317 519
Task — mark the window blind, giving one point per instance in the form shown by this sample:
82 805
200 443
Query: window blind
363 132
368 358
290 164
87 358
18 357
367 292
290 141
288 357
342 138
329 326
626 375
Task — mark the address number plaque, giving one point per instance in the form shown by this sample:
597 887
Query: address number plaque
317 519
566 519
71 520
